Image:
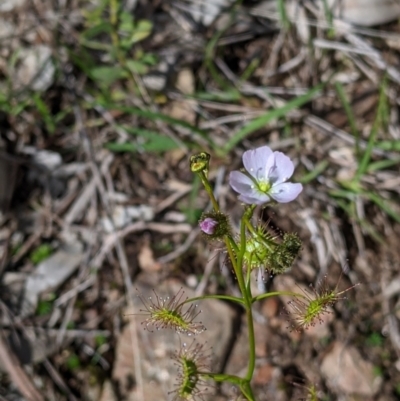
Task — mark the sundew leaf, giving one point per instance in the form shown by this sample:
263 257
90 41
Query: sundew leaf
270 115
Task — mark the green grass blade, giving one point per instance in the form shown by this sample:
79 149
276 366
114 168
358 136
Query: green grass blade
389 145
350 115
150 115
383 204
329 19
210 50
379 120
152 141
44 113
319 168
270 115
230 95
383 164
122 147
283 15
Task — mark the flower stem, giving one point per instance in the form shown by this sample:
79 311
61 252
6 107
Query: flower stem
236 254
247 391
209 190
246 292
276 293
252 343
224 297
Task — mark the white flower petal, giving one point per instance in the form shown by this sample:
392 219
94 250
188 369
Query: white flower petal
255 160
257 199
279 168
285 192
240 182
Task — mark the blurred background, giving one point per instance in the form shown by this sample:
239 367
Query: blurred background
102 102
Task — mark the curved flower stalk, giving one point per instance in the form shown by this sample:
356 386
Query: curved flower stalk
265 178
168 312
193 363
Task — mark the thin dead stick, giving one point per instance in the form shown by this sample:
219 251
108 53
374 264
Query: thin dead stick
200 289
17 374
325 127
181 249
393 325
111 240
58 380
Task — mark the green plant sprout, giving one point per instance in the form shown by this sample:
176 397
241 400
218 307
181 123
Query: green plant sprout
265 178
41 253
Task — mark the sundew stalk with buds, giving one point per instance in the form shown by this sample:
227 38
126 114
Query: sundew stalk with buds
264 179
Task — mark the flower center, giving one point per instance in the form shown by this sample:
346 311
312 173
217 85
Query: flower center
264 186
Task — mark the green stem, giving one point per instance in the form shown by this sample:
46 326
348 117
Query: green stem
229 242
259 237
247 391
252 342
223 297
209 190
276 293
221 377
236 255
246 292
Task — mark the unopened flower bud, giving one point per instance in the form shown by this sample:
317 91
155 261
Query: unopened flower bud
214 225
208 225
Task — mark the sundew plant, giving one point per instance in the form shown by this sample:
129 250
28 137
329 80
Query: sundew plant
264 179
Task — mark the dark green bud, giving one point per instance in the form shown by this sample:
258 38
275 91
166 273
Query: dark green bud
283 256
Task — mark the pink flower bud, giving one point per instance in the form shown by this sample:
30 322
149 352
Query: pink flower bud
208 225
